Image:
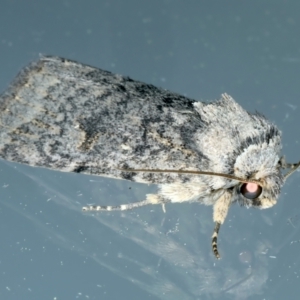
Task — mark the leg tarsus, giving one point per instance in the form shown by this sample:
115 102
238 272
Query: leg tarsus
293 168
150 199
214 242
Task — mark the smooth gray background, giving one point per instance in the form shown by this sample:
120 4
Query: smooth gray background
51 250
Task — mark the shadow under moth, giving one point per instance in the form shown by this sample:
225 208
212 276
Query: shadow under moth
71 117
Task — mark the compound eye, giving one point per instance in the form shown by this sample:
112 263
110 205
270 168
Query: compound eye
250 190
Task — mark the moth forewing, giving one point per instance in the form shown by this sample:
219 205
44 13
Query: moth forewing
64 115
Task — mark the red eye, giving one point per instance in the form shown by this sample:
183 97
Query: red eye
250 190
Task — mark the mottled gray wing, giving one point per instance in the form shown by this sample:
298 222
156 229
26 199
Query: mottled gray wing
71 117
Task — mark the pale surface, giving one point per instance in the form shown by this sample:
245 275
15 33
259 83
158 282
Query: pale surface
201 50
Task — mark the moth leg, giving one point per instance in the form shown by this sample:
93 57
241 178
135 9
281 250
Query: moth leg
221 208
292 167
285 165
214 242
150 199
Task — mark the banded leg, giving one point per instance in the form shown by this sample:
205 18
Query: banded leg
150 199
293 168
221 208
285 165
214 242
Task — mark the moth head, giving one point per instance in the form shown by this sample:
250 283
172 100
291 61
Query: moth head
259 166
261 194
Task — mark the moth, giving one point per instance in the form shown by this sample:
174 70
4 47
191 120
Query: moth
71 117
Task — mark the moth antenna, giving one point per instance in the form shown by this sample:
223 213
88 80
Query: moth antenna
293 167
228 176
214 241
